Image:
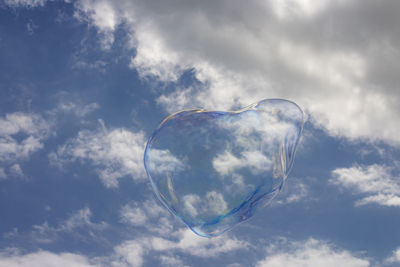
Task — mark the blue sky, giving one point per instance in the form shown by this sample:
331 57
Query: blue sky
83 85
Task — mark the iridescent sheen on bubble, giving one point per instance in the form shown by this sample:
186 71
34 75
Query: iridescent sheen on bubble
214 169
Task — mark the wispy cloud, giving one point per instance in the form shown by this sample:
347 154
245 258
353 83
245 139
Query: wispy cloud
2 174
376 183
102 15
114 153
25 3
294 190
78 109
21 135
32 127
16 170
31 27
98 65
78 220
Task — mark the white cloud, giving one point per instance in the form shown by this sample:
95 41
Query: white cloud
44 259
249 131
129 253
115 153
70 104
25 3
294 191
163 161
200 246
191 203
215 202
171 261
375 182
312 253
187 242
152 59
30 124
145 214
166 245
80 219
80 110
165 237
16 170
134 253
212 203
395 257
226 163
246 51
287 9
21 135
133 214
101 14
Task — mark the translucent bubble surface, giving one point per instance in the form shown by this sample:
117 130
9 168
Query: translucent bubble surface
214 169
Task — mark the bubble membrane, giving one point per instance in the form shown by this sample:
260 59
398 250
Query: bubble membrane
215 169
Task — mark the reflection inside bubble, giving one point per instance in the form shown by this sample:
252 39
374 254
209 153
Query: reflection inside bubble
214 169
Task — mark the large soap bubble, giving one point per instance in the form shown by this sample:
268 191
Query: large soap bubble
214 169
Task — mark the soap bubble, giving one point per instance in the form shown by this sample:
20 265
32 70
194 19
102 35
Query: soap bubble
214 169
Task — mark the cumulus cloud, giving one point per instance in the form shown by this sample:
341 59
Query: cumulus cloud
243 52
115 153
375 182
311 253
